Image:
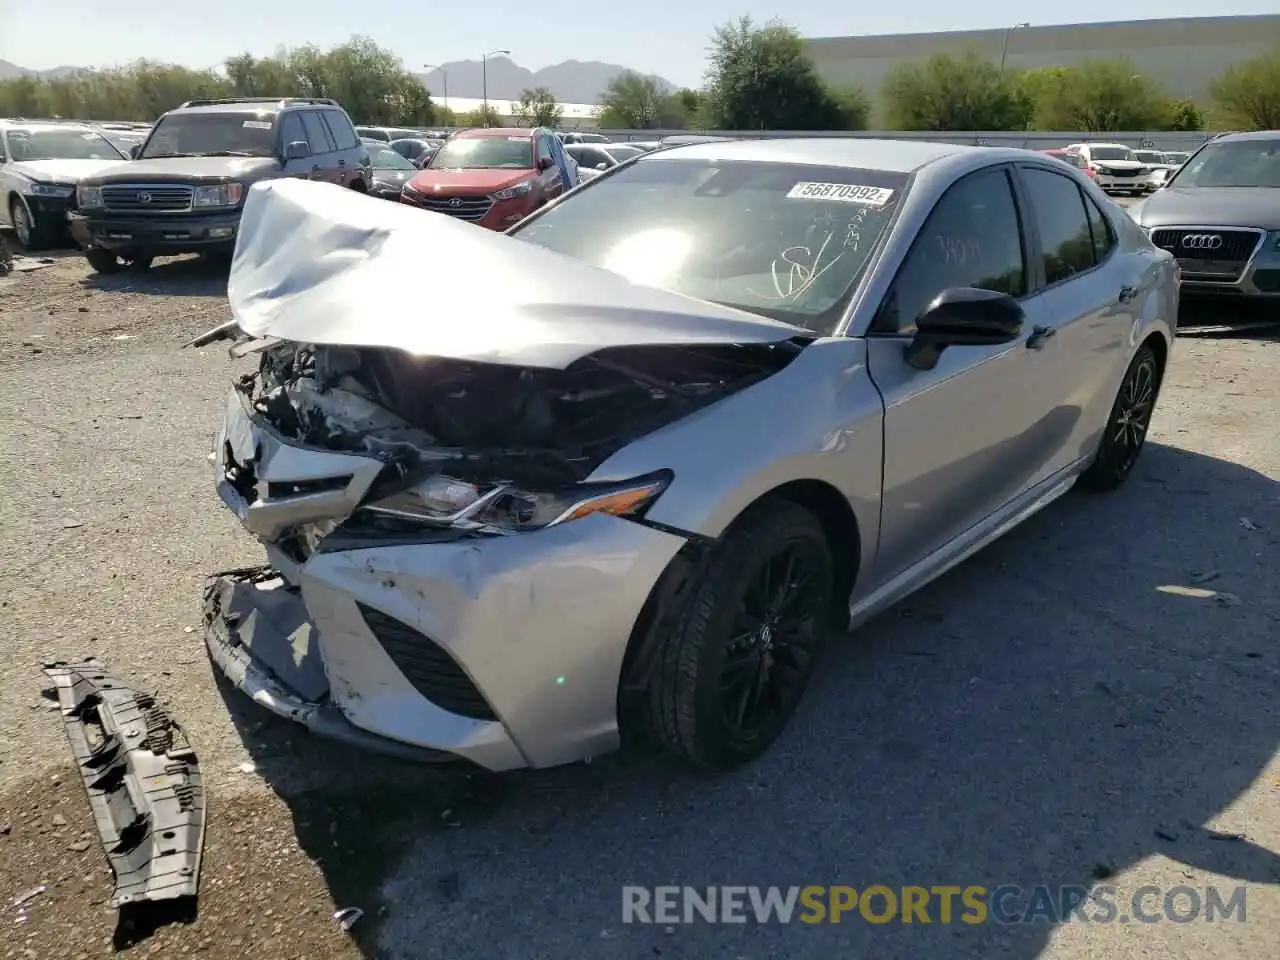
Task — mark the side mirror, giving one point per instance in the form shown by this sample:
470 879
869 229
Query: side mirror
297 150
963 317
602 166
134 151
546 163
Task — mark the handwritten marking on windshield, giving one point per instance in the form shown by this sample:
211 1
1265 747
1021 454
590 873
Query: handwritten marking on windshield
797 268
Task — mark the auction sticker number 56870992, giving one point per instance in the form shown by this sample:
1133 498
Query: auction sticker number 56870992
841 193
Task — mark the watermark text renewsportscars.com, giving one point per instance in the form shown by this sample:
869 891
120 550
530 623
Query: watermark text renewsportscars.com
942 904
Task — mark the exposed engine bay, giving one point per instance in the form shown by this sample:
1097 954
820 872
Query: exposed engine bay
542 428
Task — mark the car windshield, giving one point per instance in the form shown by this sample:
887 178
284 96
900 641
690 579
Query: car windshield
1177 157
484 152
1110 153
1148 156
26 143
212 135
622 153
785 241
1242 163
384 158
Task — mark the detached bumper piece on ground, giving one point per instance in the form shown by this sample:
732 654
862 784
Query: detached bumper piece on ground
143 780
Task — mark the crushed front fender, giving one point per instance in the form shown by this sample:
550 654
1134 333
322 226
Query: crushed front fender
143 780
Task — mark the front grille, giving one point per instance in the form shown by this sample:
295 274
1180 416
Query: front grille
1119 173
146 198
1237 245
426 665
464 208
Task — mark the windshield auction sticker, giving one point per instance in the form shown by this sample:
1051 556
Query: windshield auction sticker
257 124
841 193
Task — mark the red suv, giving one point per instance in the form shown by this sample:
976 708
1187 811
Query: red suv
493 177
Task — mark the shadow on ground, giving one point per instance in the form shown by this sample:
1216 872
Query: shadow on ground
170 277
1092 690
1228 318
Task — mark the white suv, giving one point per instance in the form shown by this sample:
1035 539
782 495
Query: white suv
1114 166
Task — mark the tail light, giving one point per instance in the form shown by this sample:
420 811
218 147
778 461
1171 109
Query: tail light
1091 172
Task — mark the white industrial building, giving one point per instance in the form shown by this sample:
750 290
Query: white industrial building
577 116
1183 55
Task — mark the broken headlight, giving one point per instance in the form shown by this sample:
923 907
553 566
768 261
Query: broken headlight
504 508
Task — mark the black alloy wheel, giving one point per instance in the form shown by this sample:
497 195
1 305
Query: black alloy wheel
1126 431
730 672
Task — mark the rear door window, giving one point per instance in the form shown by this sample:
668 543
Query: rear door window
317 132
340 129
291 130
1057 205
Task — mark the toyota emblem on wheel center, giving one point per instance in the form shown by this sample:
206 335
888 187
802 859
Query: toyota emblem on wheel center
1202 241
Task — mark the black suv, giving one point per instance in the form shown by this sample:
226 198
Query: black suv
183 191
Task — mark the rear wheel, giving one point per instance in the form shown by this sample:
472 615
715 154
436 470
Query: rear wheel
739 658
1126 431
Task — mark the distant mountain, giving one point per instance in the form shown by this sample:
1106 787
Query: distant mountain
11 71
574 81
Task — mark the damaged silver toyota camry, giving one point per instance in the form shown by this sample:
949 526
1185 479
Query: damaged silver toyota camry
644 453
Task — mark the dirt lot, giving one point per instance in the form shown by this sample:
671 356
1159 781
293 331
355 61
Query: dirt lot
1044 714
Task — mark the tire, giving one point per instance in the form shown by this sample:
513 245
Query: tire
31 234
708 664
1125 434
103 261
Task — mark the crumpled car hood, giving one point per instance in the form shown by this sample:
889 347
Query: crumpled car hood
322 265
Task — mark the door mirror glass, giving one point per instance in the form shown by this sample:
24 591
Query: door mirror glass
297 150
134 151
964 317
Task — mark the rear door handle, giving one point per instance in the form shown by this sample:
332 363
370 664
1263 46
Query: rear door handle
1040 336
1127 294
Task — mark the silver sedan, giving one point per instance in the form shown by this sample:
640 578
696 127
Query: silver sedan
727 402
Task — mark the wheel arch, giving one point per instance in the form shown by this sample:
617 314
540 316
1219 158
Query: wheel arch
679 580
1160 347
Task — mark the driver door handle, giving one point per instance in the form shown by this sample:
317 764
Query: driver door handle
1127 294
1040 336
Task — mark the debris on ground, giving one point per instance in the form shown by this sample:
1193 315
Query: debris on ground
143 781
348 917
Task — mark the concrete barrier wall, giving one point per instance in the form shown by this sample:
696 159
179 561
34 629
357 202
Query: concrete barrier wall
1032 140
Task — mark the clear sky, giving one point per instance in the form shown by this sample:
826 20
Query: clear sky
667 37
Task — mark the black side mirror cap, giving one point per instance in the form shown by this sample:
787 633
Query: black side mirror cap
963 317
134 151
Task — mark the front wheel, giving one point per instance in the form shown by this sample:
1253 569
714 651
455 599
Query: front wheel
739 658
32 235
1126 431
103 261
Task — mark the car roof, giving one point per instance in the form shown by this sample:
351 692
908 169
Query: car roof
70 126
898 156
1243 137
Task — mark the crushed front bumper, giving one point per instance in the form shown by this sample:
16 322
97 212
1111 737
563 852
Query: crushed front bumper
506 651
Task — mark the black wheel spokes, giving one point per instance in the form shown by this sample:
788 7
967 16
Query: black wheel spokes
1129 428
767 655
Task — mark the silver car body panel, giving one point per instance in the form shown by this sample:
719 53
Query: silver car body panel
310 259
932 464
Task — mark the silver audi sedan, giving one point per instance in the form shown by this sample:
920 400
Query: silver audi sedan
649 451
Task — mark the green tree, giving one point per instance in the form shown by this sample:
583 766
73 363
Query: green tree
1103 95
538 108
853 106
633 101
1184 115
368 81
1248 93
761 78
1031 88
949 92
479 116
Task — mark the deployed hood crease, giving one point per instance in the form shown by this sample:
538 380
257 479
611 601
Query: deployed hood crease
318 264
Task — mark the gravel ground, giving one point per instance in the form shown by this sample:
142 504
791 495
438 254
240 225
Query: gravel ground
1046 713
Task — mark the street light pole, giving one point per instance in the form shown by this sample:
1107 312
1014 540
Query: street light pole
444 82
484 78
1004 51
